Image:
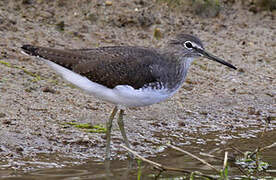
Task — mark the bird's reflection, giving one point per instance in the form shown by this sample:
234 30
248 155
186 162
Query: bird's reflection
131 164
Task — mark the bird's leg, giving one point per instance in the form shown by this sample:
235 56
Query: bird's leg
123 132
108 132
122 127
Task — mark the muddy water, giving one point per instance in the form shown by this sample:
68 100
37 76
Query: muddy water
125 169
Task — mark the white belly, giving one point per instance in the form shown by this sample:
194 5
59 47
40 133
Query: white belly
122 94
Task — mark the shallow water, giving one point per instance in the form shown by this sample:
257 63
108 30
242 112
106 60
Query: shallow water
126 169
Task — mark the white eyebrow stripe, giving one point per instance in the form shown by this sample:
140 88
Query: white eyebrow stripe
195 45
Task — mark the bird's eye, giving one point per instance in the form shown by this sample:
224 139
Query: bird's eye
188 45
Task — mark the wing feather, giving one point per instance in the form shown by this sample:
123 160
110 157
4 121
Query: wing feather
108 66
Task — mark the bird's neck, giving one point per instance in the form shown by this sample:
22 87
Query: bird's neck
185 63
179 66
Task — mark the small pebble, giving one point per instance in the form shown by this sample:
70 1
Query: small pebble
2 115
108 3
49 90
85 138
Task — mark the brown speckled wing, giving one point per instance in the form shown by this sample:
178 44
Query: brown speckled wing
112 66
109 66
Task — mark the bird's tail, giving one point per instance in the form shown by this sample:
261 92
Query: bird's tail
30 50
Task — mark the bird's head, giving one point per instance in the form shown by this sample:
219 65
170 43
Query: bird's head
189 46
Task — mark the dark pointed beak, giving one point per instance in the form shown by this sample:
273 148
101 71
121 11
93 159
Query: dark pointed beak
214 58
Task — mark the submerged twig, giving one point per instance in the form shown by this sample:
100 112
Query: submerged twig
221 159
263 149
161 167
237 150
201 160
268 147
154 164
210 155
